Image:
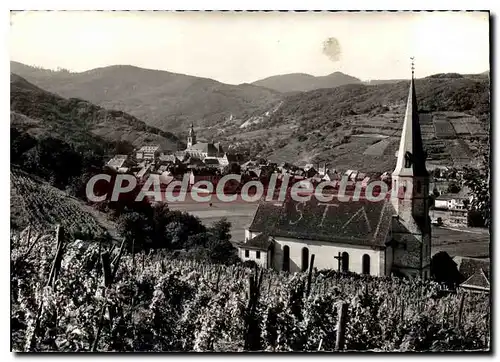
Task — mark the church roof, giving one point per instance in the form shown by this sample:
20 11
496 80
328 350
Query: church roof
204 147
265 217
355 222
260 242
411 144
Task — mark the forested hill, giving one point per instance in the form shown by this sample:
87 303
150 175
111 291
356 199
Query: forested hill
435 93
41 113
162 99
339 125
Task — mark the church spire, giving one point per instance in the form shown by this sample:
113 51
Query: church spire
191 140
411 154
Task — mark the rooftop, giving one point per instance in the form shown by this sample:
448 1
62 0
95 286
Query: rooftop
356 222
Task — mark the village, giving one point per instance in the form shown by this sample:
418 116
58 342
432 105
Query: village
205 161
353 236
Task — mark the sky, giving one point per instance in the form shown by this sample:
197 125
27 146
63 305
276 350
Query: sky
236 48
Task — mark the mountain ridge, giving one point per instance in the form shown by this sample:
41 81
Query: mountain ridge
162 99
300 82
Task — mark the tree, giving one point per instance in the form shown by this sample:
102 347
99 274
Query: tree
444 270
136 228
219 243
478 181
453 187
232 169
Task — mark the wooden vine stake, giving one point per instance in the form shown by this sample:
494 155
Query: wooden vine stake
341 323
252 329
51 279
109 273
460 311
309 276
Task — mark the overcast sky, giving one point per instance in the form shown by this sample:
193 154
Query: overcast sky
244 47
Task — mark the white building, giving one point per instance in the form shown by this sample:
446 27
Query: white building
453 201
392 236
147 152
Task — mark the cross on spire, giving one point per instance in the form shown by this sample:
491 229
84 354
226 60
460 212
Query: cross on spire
412 66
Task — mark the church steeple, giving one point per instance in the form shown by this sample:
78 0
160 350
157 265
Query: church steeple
411 155
410 179
410 197
191 140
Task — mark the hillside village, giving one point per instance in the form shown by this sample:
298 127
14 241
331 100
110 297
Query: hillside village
209 161
360 218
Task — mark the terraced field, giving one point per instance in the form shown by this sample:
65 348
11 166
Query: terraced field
460 126
378 148
444 129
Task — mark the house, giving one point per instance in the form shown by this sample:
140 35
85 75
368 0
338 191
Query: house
451 201
310 172
164 159
322 169
227 159
475 273
331 175
453 218
197 175
211 162
117 162
149 152
351 174
390 236
194 162
256 249
450 209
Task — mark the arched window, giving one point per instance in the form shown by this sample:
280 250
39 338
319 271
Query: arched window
408 159
305 259
366 264
345 261
286 258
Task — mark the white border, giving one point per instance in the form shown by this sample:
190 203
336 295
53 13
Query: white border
193 5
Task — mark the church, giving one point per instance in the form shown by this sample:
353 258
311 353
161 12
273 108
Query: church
389 237
202 150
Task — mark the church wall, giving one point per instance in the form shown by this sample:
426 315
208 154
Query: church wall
407 252
324 255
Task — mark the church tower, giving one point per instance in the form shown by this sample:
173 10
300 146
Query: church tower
410 197
191 137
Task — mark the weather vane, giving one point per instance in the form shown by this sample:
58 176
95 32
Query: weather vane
412 66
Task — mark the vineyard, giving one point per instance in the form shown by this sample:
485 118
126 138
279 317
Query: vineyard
82 296
36 203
